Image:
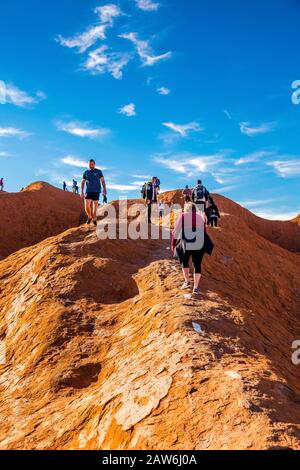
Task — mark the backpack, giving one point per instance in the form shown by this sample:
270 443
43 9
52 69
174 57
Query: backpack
200 193
157 183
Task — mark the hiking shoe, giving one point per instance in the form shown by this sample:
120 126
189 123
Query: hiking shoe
196 291
89 221
185 286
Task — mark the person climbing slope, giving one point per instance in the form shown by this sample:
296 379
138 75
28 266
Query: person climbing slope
149 194
65 186
189 240
187 194
94 181
1 184
213 214
200 196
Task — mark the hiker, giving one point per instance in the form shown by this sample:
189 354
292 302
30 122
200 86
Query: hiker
74 186
189 240
1 184
77 189
187 194
94 181
213 214
149 194
65 186
200 196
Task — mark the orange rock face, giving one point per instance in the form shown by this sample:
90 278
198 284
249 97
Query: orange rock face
103 350
38 212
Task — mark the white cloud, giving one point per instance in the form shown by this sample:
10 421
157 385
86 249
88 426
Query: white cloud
183 129
13 132
82 129
74 161
271 214
163 91
191 165
102 61
5 154
144 50
128 110
20 98
286 168
227 113
252 131
147 5
253 157
108 13
261 202
224 189
83 41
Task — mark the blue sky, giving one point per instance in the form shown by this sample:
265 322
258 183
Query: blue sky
178 89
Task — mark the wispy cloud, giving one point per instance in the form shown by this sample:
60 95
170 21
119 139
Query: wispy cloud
286 168
13 132
253 157
144 50
183 129
147 5
5 154
163 91
274 214
188 164
128 110
225 189
102 61
74 161
20 98
82 129
249 204
227 113
251 131
83 41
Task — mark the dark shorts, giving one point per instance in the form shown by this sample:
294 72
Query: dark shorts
92 196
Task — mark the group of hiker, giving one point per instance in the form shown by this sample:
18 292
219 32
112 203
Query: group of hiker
1 184
75 187
189 238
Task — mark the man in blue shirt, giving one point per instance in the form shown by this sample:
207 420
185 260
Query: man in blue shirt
94 181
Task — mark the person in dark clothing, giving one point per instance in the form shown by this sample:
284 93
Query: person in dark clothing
149 194
200 195
65 186
213 215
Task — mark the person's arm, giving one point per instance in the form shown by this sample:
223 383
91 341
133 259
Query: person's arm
83 185
103 185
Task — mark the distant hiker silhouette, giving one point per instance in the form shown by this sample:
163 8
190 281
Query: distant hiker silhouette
1 184
94 181
65 188
149 194
187 194
189 240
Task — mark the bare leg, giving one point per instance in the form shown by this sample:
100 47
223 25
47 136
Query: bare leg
197 278
186 274
95 205
88 208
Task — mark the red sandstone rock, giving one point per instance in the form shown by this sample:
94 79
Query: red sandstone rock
103 351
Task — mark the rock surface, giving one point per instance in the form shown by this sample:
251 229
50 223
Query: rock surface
103 350
37 212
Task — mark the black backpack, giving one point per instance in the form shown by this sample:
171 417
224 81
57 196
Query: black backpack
200 193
